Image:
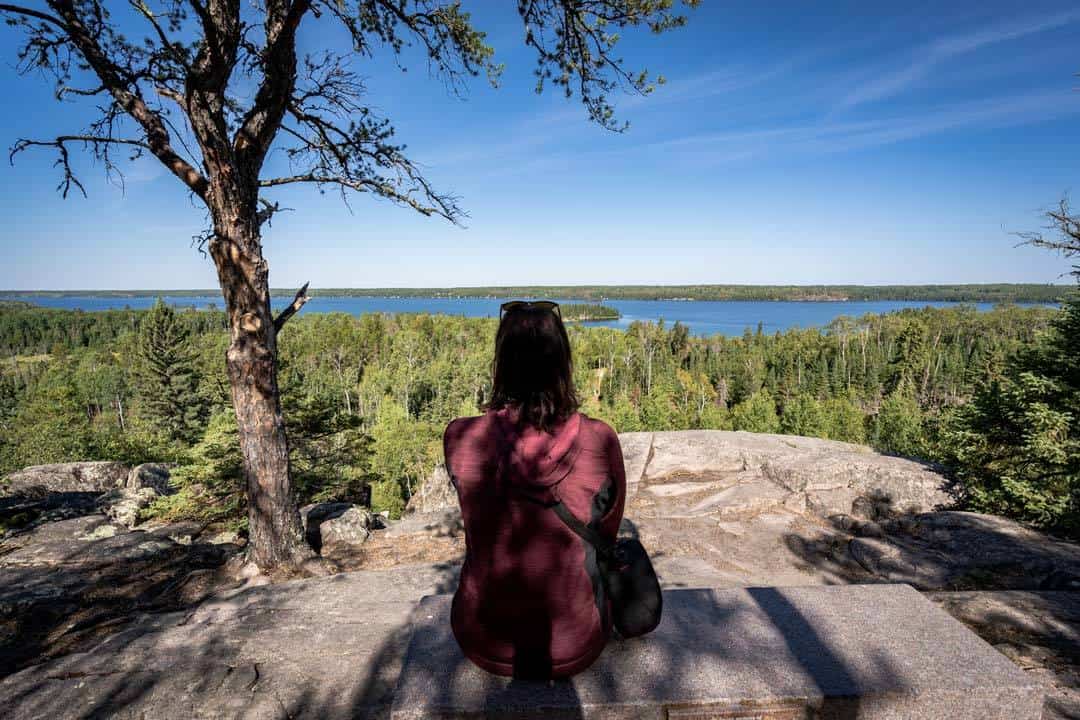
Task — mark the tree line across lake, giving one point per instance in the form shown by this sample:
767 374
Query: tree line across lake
994 396
985 292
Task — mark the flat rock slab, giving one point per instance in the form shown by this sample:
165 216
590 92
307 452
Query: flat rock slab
838 653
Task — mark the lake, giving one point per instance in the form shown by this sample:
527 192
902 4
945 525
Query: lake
702 317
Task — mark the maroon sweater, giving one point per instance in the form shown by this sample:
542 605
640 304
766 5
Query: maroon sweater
530 602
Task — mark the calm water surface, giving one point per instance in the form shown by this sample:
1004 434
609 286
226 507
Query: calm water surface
702 317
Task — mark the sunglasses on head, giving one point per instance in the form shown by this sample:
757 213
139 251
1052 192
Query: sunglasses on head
513 305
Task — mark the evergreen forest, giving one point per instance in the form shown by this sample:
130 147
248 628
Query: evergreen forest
993 397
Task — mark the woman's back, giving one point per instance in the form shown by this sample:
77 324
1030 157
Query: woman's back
530 601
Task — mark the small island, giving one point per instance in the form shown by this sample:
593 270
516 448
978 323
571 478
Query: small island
586 312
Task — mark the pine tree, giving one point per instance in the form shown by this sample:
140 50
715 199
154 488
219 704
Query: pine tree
166 378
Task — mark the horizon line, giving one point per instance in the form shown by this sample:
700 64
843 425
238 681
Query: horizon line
554 286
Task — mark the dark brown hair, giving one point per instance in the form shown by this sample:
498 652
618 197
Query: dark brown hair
532 369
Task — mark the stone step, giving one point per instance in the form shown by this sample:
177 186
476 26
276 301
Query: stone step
862 652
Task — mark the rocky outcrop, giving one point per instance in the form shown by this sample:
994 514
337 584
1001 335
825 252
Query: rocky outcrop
78 477
715 509
1039 631
65 584
717 471
47 493
967 551
730 474
435 493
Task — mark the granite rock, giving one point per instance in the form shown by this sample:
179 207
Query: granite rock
97 476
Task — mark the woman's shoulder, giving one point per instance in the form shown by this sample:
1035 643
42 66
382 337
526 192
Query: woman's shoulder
599 429
464 425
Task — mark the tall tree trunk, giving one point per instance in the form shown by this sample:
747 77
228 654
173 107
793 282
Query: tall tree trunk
276 540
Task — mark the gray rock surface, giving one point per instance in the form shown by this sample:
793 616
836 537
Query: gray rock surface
821 476
1038 631
65 477
149 475
65 584
122 505
323 648
351 527
435 493
868 652
715 509
963 550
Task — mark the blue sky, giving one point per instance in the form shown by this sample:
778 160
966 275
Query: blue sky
793 143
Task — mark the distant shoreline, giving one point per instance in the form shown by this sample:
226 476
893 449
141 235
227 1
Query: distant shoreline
984 292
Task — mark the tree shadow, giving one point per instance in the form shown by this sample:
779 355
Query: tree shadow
79 591
941 550
334 648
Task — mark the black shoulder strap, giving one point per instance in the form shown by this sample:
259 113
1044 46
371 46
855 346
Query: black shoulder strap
586 533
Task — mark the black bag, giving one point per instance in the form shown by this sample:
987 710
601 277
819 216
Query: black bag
636 601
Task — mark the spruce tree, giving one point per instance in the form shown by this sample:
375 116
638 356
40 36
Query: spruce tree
1016 447
166 378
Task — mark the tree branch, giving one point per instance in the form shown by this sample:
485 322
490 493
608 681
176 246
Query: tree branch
29 12
443 206
112 77
64 161
260 123
297 303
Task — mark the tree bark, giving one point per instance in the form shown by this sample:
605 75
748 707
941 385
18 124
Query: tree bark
276 540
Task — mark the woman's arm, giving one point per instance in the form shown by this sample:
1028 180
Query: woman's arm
617 473
450 439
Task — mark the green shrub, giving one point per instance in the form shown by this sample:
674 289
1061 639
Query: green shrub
386 496
756 413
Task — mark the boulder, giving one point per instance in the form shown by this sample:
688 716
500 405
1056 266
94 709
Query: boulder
351 527
123 505
149 475
823 477
328 524
436 492
65 477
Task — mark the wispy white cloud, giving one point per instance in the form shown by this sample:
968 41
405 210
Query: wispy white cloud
832 137
928 57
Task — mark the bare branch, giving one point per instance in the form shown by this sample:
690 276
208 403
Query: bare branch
29 12
173 49
64 160
445 206
1064 224
61 92
297 303
126 95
